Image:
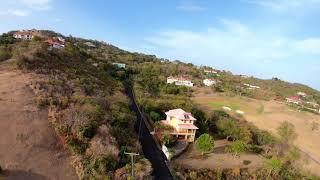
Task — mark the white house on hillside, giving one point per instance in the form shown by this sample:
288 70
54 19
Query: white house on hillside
183 124
302 94
179 81
210 71
251 86
209 82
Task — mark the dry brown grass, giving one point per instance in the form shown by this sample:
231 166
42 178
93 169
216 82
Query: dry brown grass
29 147
194 159
273 114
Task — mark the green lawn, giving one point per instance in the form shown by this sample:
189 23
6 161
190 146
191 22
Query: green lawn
219 104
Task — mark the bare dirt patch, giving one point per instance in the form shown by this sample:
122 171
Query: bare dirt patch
268 115
29 147
193 158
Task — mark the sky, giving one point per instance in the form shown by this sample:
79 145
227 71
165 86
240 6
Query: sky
263 38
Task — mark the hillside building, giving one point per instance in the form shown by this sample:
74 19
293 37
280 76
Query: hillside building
179 81
182 123
25 34
294 100
209 82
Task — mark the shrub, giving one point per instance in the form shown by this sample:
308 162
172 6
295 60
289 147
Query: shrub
246 162
273 166
237 147
5 53
77 146
205 143
105 164
89 130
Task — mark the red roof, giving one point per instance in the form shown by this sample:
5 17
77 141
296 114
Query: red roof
53 41
187 126
294 98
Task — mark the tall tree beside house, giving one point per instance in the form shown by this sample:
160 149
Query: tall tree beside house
205 143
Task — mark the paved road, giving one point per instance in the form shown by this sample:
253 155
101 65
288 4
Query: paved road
149 147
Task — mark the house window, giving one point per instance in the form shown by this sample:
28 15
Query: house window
190 122
186 116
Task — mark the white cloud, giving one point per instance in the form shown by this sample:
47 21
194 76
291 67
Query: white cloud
37 4
57 20
15 12
23 8
310 46
190 6
18 12
284 5
232 41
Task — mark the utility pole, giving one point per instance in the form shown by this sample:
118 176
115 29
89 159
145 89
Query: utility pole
132 162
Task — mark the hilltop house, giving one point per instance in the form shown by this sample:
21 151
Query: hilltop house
249 86
209 82
183 124
302 94
179 81
120 65
294 100
210 71
25 34
56 42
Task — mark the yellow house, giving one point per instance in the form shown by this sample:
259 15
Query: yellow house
183 124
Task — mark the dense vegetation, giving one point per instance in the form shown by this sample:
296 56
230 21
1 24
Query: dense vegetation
87 105
88 108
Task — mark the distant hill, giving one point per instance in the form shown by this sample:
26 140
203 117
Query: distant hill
84 93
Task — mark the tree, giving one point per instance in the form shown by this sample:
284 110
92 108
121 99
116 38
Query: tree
7 39
205 143
229 128
237 147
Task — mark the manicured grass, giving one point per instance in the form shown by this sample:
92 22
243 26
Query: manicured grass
219 104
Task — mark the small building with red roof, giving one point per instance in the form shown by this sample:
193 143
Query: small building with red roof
55 42
294 100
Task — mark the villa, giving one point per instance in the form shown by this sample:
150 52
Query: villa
179 81
294 99
302 94
249 86
120 65
25 34
209 82
182 123
56 42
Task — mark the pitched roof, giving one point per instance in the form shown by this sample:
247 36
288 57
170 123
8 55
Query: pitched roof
53 41
294 98
180 114
23 33
179 78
